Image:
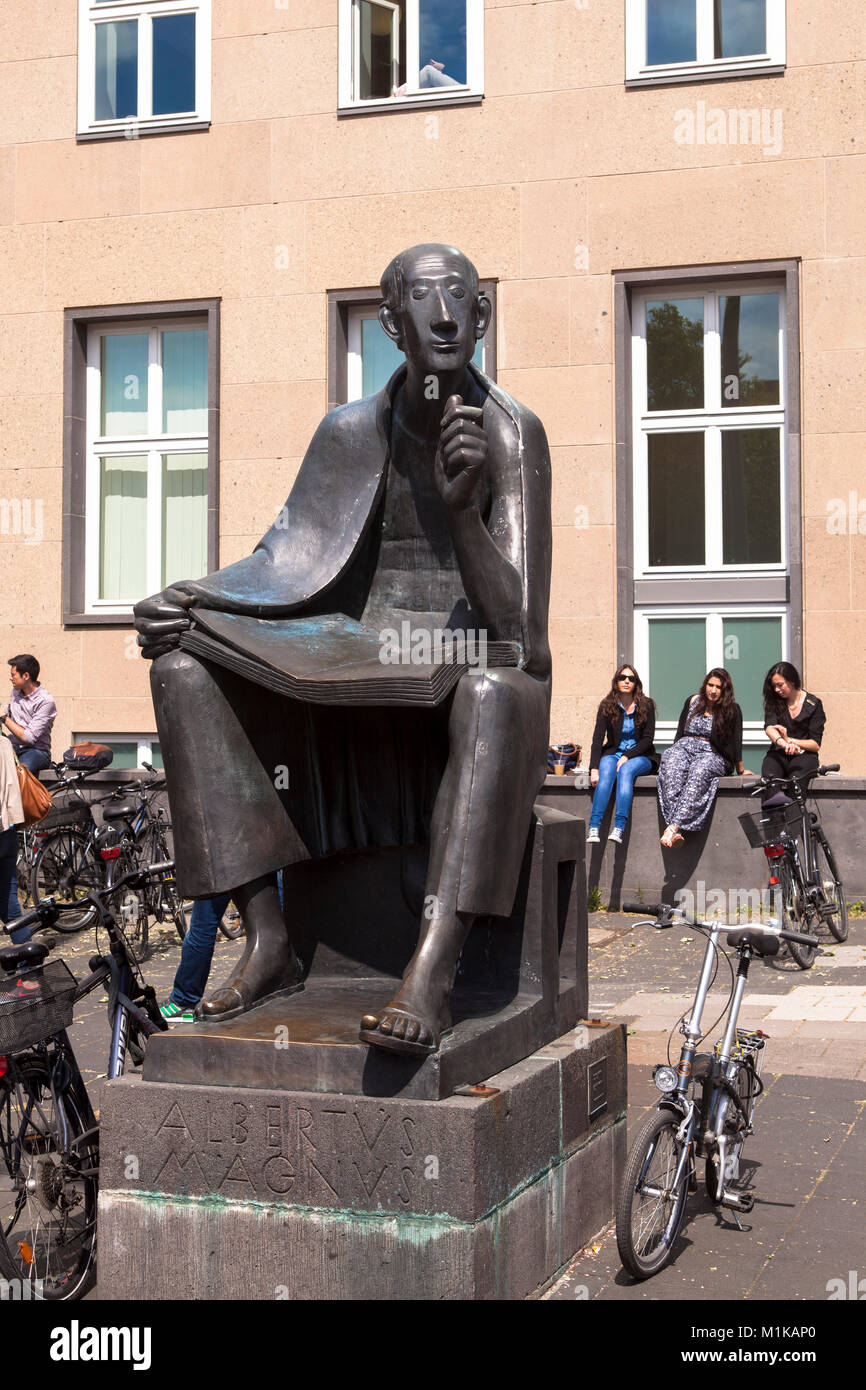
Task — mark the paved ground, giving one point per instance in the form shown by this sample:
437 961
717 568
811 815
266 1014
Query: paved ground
807 1158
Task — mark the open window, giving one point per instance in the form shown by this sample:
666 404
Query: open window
410 52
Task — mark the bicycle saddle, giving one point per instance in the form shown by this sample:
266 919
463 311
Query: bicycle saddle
119 810
25 955
763 943
777 802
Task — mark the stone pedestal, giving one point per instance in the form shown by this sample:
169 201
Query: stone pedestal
230 1192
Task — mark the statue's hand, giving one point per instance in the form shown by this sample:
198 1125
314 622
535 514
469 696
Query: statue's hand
161 619
461 456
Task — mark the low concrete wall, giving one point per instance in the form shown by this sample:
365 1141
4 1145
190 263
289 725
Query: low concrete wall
716 858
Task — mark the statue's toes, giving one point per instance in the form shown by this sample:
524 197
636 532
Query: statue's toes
413 1031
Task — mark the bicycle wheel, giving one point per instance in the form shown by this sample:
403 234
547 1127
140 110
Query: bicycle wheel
794 915
834 893
168 905
68 868
649 1211
23 871
48 1189
232 924
130 907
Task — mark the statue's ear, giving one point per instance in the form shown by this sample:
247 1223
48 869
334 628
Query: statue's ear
388 321
485 309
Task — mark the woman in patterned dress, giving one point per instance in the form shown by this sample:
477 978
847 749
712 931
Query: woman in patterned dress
708 745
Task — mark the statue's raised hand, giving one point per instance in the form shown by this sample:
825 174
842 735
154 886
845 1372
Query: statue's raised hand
162 618
461 456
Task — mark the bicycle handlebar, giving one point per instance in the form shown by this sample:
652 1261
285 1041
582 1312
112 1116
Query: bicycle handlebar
820 771
664 915
47 912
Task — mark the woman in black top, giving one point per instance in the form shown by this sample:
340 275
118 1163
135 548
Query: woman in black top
622 750
708 745
794 722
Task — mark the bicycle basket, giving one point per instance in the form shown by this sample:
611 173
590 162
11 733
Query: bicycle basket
34 1004
763 828
59 816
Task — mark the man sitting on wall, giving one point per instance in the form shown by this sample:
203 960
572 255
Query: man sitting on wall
29 715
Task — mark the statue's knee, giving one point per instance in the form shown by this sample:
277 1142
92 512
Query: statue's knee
178 668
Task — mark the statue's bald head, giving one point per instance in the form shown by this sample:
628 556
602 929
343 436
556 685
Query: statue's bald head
429 257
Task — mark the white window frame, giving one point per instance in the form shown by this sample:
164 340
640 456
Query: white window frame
153 444
144 743
416 97
715 617
354 358
704 66
712 420
90 14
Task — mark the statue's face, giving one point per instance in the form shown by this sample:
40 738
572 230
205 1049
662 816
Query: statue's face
439 318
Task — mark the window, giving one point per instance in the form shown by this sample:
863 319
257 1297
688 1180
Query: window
140 455
709 429
130 750
708 526
676 40
144 65
361 356
410 52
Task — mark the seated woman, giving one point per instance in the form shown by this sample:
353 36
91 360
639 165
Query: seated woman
626 723
708 745
794 723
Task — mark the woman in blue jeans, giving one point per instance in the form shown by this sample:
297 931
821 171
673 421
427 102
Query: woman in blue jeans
622 750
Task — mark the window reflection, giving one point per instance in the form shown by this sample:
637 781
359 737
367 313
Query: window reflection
116 70
740 27
675 480
750 349
671 31
675 354
751 479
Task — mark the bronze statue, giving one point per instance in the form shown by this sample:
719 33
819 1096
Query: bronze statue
424 508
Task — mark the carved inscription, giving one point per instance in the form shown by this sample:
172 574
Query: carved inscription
337 1151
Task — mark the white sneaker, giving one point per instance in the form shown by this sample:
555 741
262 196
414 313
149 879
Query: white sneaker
592 836
616 835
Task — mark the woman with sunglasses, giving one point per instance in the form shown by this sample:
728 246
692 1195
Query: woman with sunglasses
622 750
708 745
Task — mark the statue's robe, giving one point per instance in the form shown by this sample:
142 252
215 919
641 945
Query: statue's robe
257 781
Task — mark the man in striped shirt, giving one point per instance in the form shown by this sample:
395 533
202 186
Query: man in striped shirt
29 715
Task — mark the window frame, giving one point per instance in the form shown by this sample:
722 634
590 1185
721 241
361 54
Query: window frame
753 730
712 420
78 518
144 744
90 14
672 595
471 91
702 68
344 309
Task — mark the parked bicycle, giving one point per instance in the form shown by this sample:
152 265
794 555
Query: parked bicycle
59 855
802 865
49 1136
136 831
705 1109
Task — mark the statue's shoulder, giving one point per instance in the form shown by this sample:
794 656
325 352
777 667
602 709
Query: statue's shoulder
344 421
509 421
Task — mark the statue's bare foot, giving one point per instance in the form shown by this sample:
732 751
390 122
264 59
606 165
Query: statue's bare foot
399 1028
254 983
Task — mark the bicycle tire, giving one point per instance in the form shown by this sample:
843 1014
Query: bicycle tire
48 1195
825 867
654 1153
795 916
232 923
131 909
55 860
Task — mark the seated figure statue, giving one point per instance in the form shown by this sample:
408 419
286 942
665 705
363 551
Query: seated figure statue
426 504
